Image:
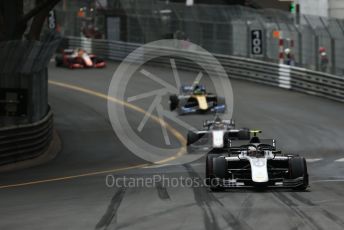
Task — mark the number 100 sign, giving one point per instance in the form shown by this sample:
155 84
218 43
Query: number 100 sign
256 42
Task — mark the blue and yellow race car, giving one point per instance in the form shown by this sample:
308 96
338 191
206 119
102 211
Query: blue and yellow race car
195 99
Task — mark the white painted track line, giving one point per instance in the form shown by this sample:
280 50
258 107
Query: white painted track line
311 160
340 160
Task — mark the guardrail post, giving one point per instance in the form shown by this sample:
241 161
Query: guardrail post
300 54
333 56
248 32
316 54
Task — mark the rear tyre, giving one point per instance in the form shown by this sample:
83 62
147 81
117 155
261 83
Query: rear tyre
192 137
220 101
298 168
174 101
58 61
244 134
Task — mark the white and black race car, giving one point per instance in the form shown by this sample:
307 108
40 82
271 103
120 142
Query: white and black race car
255 164
216 133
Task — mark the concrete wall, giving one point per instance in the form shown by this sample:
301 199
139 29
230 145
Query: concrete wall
324 8
336 8
24 79
314 7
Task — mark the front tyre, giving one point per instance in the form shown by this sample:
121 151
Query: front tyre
244 134
174 101
220 167
298 168
209 173
192 137
216 169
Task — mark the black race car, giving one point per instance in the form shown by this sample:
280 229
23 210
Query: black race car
256 163
216 133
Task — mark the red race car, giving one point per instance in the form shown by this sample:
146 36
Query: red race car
78 58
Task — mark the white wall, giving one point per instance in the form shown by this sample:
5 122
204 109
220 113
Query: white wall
315 7
324 8
336 8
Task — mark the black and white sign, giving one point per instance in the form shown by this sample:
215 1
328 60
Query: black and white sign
52 20
256 42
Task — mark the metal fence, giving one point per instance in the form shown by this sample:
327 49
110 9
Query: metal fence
219 29
24 142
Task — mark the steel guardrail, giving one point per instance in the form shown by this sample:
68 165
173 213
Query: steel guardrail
24 142
277 75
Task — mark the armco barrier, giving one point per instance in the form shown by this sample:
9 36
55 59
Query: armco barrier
284 76
26 121
23 142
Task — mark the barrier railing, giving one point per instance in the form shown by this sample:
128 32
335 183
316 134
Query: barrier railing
278 75
23 142
26 122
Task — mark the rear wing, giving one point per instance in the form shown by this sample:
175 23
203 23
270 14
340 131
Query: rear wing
190 88
232 134
68 51
230 122
235 145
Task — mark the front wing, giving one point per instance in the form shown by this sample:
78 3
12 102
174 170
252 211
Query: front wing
196 109
234 183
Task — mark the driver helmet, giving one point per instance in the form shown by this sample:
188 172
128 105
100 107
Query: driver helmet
196 85
217 119
251 150
81 51
197 89
218 123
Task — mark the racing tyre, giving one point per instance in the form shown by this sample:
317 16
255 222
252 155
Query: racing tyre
220 101
219 166
192 137
174 101
226 140
244 134
209 174
58 61
298 168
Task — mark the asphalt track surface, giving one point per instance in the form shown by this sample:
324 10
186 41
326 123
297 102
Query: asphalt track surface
70 192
